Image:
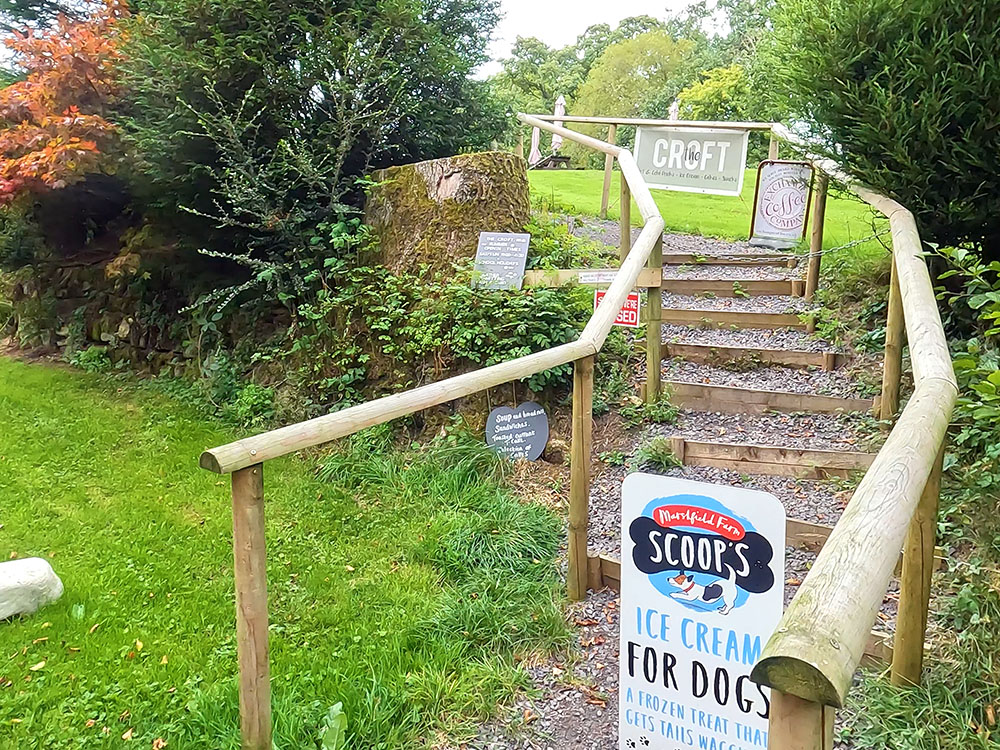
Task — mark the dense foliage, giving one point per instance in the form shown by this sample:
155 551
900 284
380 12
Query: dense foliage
906 96
53 128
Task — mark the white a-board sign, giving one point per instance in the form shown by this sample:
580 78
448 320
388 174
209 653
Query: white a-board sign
781 203
702 580
692 160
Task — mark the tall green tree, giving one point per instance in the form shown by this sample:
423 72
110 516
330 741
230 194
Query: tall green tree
906 96
249 113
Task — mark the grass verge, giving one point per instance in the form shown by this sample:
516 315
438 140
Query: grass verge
404 583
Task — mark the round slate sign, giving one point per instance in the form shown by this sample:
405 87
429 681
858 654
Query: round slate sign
518 433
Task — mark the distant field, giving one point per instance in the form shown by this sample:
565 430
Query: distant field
579 192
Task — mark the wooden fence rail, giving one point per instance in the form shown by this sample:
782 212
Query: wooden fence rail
810 659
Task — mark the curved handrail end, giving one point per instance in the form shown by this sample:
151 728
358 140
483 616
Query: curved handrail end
796 677
210 462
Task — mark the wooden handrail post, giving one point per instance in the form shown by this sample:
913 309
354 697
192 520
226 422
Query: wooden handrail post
250 567
609 163
797 724
772 148
520 143
579 487
915 584
816 234
654 328
625 220
892 365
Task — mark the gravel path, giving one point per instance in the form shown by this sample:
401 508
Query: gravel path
747 338
844 432
804 499
730 273
766 378
761 304
608 232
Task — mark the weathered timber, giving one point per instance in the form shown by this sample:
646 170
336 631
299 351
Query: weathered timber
816 234
772 460
609 162
654 329
579 491
729 400
892 361
250 567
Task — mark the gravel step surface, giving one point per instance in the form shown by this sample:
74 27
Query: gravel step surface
766 378
731 273
747 338
762 304
804 499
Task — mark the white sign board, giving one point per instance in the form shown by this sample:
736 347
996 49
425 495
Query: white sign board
781 203
692 160
702 584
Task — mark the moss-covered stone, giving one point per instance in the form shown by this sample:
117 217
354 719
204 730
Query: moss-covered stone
431 213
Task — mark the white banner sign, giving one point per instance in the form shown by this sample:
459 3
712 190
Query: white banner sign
781 203
692 160
702 583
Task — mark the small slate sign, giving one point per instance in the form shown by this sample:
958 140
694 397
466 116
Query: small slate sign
518 433
500 259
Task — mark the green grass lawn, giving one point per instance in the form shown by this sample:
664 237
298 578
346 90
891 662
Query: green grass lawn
402 582
711 215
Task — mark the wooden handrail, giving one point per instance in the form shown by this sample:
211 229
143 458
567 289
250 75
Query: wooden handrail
648 122
820 640
253 450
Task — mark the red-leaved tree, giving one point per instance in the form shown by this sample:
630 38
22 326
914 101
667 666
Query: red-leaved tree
52 125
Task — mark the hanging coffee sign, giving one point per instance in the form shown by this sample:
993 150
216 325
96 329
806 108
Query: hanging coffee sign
518 433
500 260
781 203
692 160
702 577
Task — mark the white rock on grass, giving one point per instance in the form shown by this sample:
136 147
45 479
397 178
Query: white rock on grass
26 585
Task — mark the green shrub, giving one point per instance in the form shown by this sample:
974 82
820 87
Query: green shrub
92 359
906 96
656 453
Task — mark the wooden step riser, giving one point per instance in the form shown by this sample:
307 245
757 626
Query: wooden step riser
735 287
734 320
728 400
771 460
784 357
749 259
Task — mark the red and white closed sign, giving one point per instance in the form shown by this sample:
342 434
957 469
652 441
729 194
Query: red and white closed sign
628 316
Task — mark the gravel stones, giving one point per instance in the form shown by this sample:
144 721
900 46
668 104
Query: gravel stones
747 338
765 378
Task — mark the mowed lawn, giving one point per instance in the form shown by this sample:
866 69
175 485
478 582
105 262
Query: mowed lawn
727 217
403 583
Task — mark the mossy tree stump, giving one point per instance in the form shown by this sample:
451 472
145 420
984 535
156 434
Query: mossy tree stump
431 213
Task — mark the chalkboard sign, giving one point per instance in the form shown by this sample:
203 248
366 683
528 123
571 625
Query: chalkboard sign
518 433
500 259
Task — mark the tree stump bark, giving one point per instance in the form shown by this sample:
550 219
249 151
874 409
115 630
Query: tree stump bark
431 213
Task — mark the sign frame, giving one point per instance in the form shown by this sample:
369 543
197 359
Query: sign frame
706 131
769 240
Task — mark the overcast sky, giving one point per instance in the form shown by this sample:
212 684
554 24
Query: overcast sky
559 22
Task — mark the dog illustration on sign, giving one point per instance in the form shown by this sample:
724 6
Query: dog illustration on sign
723 589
